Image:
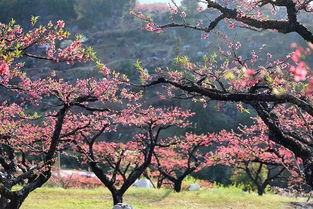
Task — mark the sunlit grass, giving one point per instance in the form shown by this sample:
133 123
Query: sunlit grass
57 198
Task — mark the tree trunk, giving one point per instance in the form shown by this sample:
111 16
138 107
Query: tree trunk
11 204
3 202
261 190
308 171
160 183
177 186
117 198
15 204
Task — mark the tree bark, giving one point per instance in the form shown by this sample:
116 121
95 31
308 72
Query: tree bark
308 170
14 203
160 183
117 198
3 202
261 190
177 186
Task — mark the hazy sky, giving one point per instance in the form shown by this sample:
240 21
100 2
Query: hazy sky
156 1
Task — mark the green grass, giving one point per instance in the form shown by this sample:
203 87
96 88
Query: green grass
221 198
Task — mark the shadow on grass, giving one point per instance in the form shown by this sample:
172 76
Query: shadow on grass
301 205
163 196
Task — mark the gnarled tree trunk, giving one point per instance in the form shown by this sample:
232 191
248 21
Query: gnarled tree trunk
308 170
177 186
14 203
261 189
117 198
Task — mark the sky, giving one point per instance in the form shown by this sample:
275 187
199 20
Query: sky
156 1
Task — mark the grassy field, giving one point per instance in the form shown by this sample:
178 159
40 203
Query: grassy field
221 198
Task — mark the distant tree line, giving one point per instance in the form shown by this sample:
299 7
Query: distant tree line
87 13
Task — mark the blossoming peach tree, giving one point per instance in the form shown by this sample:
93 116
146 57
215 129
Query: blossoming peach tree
119 164
274 89
185 156
252 152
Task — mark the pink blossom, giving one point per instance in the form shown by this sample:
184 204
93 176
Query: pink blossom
274 12
230 44
204 36
105 70
183 14
239 107
4 67
269 55
140 15
53 74
296 55
27 40
200 9
300 71
219 106
251 72
232 26
60 23
174 11
237 45
150 27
